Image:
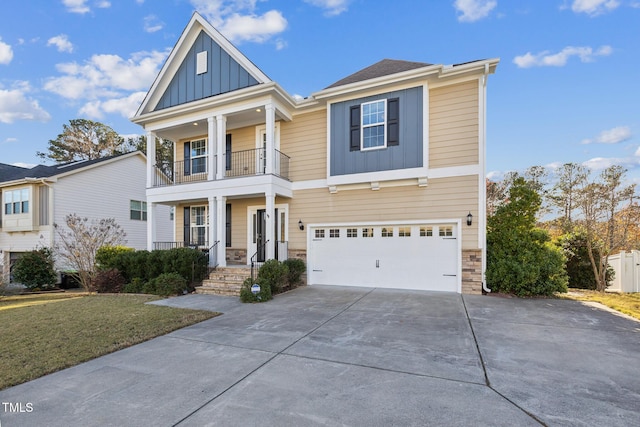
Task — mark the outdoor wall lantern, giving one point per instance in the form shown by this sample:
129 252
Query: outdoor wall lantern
469 219
300 225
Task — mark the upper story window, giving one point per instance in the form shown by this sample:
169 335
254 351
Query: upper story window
195 156
16 202
375 124
374 118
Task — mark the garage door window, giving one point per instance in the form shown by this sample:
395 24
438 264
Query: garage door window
446 231
367 232
404 232
334 233
387 231
426 231
319 234
352 232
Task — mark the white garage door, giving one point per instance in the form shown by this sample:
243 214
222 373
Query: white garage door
388 256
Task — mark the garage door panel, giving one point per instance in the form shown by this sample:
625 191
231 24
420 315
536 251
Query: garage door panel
407 257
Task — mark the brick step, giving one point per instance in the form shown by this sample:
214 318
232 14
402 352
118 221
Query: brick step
217 291
224 281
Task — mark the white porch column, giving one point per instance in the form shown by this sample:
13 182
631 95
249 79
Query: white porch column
270 224
221 138
221 230
151 158
211 149
211 234
270 121
151 226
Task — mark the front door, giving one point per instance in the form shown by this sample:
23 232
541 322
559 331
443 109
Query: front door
260 232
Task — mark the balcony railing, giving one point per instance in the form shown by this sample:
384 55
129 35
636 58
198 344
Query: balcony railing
237 164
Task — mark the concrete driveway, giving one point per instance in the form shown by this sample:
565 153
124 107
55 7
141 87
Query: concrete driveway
361 357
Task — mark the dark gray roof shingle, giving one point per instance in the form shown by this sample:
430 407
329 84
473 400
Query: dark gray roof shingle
382 68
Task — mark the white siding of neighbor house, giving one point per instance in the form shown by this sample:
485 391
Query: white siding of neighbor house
105 191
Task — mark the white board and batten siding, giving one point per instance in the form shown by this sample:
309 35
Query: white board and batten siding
423 255
105 191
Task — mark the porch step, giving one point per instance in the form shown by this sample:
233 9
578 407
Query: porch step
224 281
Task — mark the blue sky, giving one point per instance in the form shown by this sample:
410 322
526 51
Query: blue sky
567 88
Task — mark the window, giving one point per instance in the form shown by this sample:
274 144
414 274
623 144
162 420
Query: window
352 232
404 232
16 202
373 120
426 231
334 233
446 231
199 227
387 231
374 125
367 232
195 156
319 234
138 210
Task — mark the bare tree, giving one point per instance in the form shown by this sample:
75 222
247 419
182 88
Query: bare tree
80 240
606 231
569 178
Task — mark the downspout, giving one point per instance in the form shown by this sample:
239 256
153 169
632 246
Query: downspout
483 219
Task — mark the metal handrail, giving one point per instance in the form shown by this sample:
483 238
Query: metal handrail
255 263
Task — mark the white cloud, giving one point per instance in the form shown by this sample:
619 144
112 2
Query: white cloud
6 53
81 6
547 59
630 162
474 10
594 7
331 7
494 175
106 75
152 24
16 105
238 21
126 106
61 42
611 136
76 6
10 140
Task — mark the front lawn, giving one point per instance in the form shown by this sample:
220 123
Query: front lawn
42 334
624 303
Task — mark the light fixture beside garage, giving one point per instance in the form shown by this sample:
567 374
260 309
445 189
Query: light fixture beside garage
469 219
300 225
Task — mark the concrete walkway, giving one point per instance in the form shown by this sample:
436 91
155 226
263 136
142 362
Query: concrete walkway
360 357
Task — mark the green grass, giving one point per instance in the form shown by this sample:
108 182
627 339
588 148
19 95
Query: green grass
41 334
625 303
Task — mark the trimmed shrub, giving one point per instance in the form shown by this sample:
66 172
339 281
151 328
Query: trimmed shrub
296 268
35 269
107 256
136 286
108 281
168 284
247 296
274 274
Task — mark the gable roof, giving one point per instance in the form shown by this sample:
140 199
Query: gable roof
44 171
379 69
199 33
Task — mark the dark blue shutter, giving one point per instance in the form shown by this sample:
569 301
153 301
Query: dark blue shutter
187 225
354 125
187 158
227 150
393 122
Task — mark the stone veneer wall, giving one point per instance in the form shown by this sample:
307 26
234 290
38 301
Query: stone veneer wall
472 272
236 256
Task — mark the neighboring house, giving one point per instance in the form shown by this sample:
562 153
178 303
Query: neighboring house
371 180
35 199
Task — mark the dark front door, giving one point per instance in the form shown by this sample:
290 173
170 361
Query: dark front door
261 228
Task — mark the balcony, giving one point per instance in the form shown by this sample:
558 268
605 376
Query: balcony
237 164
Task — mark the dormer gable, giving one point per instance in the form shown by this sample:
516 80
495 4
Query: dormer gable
202 64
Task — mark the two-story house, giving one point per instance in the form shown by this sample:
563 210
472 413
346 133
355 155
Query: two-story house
376 180
35 199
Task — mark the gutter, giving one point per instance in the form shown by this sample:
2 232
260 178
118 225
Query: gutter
485 77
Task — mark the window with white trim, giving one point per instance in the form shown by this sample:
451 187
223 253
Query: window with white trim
320 234
334 233
404 231
138 210
199 226
367 232
16 201
426 231
199 156
352 232
387 231
445 231
373 122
